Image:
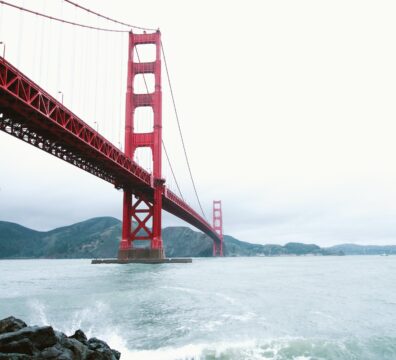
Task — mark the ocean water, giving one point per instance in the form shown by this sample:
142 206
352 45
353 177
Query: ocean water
231 308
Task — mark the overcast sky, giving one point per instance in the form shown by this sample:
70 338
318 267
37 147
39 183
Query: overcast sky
287 107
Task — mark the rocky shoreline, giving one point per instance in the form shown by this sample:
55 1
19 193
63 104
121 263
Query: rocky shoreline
18 341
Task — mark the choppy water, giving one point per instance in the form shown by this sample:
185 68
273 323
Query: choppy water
232 308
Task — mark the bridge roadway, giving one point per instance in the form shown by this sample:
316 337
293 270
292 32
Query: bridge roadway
29 113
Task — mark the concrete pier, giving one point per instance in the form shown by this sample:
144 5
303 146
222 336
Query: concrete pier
141 254
143 261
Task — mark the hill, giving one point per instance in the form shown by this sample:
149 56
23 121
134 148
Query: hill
92 238
99 238
353 249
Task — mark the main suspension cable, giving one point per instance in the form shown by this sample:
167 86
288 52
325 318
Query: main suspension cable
163 144
166 68
107 18
61 20
180 131
144 78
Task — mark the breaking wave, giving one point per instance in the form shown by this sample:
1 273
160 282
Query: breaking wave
276 349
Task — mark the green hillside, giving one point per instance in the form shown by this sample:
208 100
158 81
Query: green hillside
99 238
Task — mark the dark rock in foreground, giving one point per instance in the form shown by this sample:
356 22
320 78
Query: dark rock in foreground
21 342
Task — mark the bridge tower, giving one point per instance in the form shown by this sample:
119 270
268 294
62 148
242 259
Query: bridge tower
218 227
140 207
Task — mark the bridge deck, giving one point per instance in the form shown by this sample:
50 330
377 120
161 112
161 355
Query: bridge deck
31 114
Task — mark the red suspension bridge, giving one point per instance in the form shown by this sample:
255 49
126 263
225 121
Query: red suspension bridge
31 114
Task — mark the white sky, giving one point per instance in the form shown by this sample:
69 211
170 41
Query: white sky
287 109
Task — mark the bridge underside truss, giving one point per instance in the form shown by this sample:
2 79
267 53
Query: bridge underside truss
30 114
56 147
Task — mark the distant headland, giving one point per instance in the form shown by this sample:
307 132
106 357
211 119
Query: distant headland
99 238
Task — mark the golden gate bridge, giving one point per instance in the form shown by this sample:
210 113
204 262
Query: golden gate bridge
31 114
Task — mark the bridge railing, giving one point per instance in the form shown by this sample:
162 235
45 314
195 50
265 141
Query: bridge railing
14 82
176 199
14 85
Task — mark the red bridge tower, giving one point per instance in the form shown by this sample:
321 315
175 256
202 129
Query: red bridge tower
145 212
218 226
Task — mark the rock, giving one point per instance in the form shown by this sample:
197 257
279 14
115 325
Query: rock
116 354
21 342
11 324
22 346
79 350
40 337
11 356
95 344
53 352
102 350
80 336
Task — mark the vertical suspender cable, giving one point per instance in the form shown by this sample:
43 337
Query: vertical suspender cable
20 33
73 72
167 73
180 131
85 90
120 115
60 46
96 80
1 19
48 53
104 73
41 57
141 28
35 54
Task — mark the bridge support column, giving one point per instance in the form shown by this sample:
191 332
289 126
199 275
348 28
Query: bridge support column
141 222
125 243
218 226
142 217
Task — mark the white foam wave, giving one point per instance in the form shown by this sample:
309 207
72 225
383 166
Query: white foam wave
38 313
227 298
288 348
83 318
241 317
183 289
93 322
188 352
